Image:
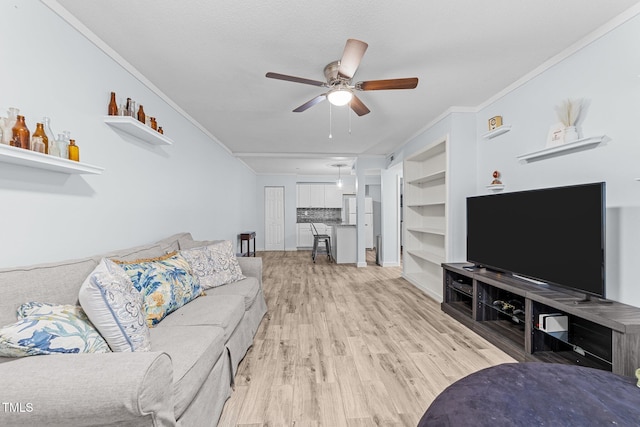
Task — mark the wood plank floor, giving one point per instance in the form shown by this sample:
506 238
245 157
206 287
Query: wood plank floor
347 346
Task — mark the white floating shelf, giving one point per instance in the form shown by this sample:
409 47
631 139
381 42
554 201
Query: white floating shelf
138 130
570 147
495 187
33 159
497 131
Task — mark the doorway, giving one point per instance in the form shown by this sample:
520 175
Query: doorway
274 218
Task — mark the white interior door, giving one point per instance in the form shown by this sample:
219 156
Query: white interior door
274 218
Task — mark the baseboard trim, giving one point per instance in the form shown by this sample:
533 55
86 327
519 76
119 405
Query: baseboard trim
361 264
428 292
390 264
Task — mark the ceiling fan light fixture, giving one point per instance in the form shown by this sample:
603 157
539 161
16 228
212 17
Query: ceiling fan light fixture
340 97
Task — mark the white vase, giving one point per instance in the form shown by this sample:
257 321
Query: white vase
570 134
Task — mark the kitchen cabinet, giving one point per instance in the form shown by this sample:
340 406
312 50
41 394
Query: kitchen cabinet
305 236
332 196
319 196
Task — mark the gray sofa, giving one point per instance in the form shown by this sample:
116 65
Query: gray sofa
184 380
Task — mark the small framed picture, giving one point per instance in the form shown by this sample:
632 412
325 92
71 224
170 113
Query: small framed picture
495 122
556 135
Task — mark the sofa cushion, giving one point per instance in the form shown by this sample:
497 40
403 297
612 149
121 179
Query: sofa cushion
137 252
187 242
247 288
115 307
166 284
54 282
194 351
170 244
215 265
50 329
224 311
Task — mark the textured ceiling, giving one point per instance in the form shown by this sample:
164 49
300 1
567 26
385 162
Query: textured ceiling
210 58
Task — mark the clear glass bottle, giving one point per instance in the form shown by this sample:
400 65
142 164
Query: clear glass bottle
37 144
65 145
20 134
62 146
74 151
51 137
9 123
39 133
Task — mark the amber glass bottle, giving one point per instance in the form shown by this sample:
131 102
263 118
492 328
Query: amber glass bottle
141 116
154 124
160 130
74 151
113 106
21 134
40 132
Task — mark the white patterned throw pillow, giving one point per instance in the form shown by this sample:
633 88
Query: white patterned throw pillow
50 329
115 307
215 265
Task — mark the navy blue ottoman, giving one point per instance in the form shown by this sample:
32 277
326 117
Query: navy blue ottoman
537 394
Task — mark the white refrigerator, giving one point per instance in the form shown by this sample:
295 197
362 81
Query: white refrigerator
350 217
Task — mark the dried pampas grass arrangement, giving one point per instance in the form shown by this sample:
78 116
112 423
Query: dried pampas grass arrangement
569 111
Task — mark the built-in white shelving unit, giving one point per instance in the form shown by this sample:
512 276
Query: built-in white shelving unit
570 147
425 196
138 130
33 159
497 132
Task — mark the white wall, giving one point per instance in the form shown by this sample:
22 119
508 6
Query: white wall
606 74
145 193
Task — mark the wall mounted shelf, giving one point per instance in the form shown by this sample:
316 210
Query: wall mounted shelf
427 230
497 131
33 159
570 147
495 187
138 130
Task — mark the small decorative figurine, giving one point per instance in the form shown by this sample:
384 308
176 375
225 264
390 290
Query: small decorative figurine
496 181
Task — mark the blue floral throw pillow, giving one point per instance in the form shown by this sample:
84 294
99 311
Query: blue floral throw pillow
50 329
166 284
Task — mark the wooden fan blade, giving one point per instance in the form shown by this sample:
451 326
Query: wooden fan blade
311 103
358 106
408 83
295 79
353 52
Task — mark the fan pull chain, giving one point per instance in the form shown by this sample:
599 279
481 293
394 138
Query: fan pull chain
349 117
330 136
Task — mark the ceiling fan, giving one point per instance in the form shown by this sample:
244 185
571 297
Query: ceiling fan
339 75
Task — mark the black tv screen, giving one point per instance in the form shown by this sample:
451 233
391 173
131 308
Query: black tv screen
553 235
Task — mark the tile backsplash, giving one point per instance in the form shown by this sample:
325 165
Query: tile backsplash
318 215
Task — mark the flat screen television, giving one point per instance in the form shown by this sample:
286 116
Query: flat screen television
552 235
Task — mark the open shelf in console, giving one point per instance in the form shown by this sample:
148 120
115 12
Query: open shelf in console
458 293
502 311
582 343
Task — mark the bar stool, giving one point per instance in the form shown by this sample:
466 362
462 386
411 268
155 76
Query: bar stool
317 239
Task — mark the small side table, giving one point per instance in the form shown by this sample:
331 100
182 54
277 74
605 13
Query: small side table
248 237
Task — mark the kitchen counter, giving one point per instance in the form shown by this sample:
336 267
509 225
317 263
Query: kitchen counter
344 243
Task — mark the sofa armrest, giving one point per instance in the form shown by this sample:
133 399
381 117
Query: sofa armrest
88 390
251 267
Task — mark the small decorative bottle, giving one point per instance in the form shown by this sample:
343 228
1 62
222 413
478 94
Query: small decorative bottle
39 132
160 130
113 105
127 108
62 146
37 144
141 115
9 123
74 151
47 131
154 124
65 145
20 134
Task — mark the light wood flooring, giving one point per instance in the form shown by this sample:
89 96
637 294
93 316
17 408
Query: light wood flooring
348 346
